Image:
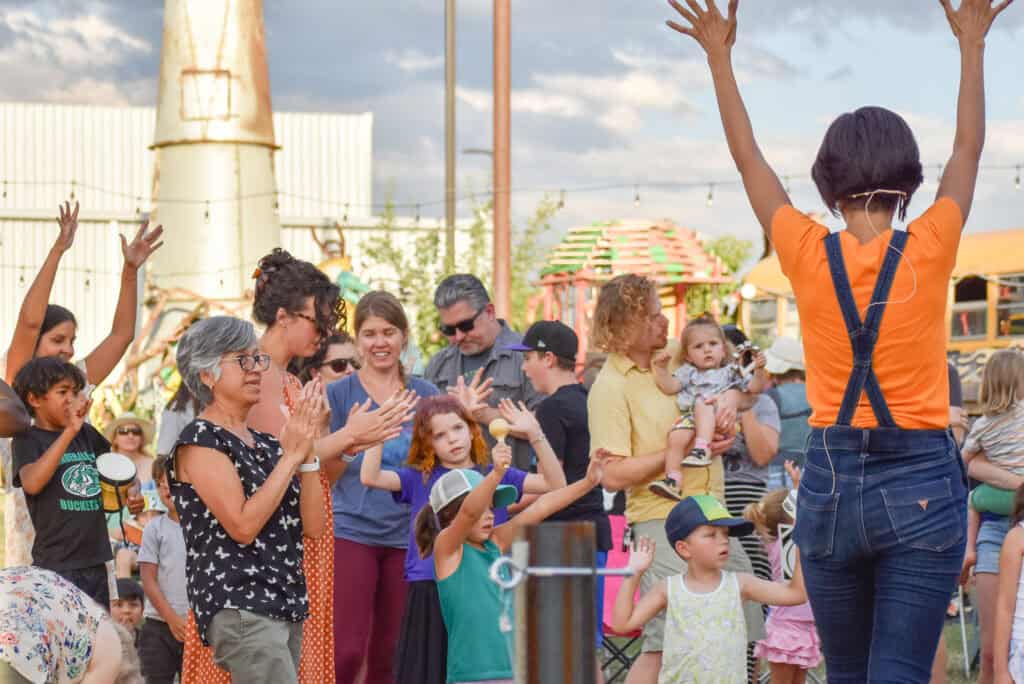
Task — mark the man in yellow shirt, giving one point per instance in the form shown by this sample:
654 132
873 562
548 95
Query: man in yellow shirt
630 416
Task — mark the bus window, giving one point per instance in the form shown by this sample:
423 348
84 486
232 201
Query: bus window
970 309
1010 306
763 315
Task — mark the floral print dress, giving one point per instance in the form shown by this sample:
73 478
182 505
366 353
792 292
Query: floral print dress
47 625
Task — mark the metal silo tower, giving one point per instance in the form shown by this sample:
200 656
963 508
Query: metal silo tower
213 181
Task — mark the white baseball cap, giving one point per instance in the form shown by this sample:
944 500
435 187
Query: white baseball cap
455 483
785 354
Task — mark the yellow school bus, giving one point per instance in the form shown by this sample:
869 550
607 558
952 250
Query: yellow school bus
985 313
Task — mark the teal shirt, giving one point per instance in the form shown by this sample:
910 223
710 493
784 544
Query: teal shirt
471 606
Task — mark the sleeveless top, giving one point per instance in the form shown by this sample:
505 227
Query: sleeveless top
705 634
471 607
265 577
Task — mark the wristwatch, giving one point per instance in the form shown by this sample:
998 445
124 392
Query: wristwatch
310 467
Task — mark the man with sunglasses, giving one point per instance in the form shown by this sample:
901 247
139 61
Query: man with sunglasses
478 339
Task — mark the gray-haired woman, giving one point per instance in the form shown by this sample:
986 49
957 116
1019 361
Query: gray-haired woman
245 502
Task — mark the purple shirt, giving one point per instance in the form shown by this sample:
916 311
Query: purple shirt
416 493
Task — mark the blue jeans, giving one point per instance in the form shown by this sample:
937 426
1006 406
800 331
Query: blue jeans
881 527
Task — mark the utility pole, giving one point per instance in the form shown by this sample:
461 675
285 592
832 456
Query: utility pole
502 166
449 135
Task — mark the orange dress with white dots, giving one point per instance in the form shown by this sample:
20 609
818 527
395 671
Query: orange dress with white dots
317 662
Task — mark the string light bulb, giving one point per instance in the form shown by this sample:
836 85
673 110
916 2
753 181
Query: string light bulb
277 202
344 217
711 195
72 190
417 213
561 199
138 206
5 189
636 195
206 213
1016 181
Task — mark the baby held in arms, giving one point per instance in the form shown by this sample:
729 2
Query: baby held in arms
710 389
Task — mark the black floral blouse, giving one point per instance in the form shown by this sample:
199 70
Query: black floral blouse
263 577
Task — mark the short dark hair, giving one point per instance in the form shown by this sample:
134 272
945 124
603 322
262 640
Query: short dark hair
40 375
303 368
562 363
159 467
869 149
128 589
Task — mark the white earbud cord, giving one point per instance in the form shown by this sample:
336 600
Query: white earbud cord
913 291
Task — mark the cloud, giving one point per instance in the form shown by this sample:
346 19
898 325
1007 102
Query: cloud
413 61
843 73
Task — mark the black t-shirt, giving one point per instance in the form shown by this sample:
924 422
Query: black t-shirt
71 529
563 417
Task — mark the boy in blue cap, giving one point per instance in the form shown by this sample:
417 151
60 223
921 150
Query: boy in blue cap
705 632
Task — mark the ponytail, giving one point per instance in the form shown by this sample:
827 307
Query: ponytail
428 524
768 513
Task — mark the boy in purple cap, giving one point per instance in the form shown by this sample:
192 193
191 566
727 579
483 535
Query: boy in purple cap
705 632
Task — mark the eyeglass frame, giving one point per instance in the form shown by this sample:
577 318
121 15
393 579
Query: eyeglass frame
129 430
258 359
464 326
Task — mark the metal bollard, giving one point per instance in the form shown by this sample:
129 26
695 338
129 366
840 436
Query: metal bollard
558 617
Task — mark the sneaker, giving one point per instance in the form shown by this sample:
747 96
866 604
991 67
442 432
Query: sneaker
666 489
697 458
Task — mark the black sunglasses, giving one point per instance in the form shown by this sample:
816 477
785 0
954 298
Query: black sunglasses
462 326
129 430
341 365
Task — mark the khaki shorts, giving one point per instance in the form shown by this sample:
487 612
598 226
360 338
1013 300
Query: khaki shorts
667 562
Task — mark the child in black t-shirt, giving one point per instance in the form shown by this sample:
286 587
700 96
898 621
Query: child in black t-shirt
55 463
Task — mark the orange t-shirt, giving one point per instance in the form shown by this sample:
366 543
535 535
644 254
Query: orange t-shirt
910 355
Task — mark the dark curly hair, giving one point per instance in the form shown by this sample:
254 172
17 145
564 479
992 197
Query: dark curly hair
869 149
284 282
40 375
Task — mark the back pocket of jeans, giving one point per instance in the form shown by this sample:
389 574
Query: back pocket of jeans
925 516
816 515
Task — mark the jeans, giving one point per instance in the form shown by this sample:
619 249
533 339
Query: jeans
881 527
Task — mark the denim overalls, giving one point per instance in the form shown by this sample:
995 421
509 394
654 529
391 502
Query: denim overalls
881 517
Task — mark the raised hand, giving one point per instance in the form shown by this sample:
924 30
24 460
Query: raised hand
715 33
142 245
78 412
972 20
474 395
68 223
661 359
641 557
501 458
303 426
520 419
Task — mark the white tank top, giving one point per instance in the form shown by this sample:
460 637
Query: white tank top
705 634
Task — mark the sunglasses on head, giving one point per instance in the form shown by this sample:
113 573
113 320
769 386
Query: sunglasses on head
129 430
462 326
341 365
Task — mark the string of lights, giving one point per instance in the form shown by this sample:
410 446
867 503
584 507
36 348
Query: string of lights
8 188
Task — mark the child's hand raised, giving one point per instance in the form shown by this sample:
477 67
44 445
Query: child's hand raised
78 412
501 457
520 419
642 555
661 359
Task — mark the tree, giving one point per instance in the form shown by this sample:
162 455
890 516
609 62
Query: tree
734 253
413 273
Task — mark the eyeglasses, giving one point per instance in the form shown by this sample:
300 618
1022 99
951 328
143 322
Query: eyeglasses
129 430
341 365
251 362
462 326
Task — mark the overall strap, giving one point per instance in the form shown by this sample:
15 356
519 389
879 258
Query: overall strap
863 335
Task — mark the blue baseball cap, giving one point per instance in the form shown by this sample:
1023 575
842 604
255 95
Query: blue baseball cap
702 509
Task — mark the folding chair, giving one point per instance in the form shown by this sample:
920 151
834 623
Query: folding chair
616 645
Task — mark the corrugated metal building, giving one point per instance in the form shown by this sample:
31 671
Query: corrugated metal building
101 157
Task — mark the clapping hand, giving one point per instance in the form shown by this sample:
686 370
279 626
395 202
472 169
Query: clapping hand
77 413
303 427
68 222
474 395
521 420
715 33
641 557
142 245
376 426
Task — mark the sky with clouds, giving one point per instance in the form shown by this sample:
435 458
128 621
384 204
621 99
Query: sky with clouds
603 93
